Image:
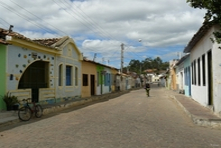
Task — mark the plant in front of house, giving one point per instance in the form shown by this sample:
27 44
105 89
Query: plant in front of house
10 101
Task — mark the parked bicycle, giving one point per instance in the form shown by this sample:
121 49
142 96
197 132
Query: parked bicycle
25 113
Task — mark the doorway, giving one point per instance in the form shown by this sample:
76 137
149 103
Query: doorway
210 78
35 76
92 85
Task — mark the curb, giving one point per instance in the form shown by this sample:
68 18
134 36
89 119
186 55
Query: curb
214 123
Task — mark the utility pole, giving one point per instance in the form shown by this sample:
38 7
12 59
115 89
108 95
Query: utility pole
122 57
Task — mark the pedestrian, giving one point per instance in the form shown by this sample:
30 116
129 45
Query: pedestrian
147 87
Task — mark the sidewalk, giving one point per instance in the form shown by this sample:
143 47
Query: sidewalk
200 115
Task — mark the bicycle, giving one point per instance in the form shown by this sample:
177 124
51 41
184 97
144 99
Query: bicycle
25 113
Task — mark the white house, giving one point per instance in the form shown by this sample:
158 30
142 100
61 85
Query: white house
180 80
205 68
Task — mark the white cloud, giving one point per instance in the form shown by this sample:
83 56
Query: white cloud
100 26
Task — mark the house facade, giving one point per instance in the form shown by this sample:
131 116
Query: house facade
180 72
205 68
172 80
47 70
97 79
89 78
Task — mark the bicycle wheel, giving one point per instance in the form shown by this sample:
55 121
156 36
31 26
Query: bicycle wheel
24 113
38 111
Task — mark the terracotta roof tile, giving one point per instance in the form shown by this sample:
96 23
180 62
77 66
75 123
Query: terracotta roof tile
43 42
47 42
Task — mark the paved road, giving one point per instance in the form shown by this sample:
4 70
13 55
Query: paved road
129 121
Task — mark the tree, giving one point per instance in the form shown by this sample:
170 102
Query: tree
148 63
213 14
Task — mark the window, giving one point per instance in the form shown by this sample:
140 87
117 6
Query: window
68 75
76 76
199 69
204 70
60 75
85 80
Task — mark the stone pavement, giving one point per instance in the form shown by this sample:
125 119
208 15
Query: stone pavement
200 115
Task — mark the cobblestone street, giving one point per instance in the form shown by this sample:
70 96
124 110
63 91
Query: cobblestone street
132 120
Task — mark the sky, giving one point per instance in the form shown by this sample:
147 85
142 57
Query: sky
146 28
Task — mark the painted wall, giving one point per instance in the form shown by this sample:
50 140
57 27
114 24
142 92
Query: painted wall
114 72
69 57
89 69
187 76
216 61
3 51
173 79
200 93
19 59
100 79
107 80
180 76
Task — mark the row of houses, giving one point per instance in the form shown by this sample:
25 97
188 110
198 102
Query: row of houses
53 70
198 73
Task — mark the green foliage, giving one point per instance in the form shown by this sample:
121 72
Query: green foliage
149 63
10 100
213 14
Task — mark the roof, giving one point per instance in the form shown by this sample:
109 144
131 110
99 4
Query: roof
47 42
200 33
3 33
42 42
87 60
150 70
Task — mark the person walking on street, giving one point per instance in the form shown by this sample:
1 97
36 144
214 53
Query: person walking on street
147 87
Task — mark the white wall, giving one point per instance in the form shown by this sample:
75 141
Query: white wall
18 61
216 59
200 93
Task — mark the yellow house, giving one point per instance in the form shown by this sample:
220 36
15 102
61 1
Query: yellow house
89 78
97 78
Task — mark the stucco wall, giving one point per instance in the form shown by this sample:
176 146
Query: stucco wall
90 69
200 93
18 61
187 75
69 57
2 74
216 59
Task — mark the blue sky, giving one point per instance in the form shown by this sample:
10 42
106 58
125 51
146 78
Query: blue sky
99 27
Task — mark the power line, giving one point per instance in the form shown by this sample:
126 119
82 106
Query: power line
92 26
5 22
93 22
39 18
23 16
